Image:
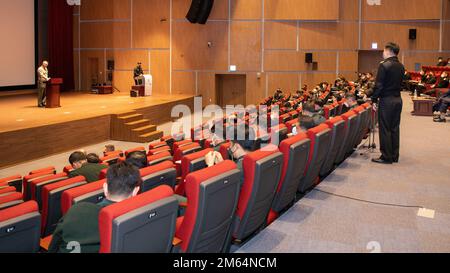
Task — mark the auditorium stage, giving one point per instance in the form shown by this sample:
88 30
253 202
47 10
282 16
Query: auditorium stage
28 132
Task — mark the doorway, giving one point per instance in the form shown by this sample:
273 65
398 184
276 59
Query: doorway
231 89
369 60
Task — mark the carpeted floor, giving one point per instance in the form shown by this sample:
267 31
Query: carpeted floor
321 222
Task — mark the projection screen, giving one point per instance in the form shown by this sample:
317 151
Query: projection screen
18 45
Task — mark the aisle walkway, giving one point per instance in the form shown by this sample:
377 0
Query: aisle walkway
326 223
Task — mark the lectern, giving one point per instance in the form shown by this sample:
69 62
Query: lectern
53 93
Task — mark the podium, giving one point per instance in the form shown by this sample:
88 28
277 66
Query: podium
146 89
53 93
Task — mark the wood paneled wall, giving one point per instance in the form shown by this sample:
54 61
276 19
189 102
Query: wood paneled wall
265 39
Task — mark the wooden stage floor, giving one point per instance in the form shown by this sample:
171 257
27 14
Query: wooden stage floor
20 112
28 133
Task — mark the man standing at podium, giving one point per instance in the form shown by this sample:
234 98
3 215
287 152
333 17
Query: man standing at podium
138 72
42 83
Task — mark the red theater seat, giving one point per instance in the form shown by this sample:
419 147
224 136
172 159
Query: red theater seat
159 158
364 123
14 181
320 137
7 190
143 224
92 193
137 149
51 202
191 163
351 123
30 178
223 150
158 175
44 170
295 158
20 229
10 200
159 150
68 169
111 159
337 127
185 150
262 173
156 145
291 124
182 143
36 186
213 194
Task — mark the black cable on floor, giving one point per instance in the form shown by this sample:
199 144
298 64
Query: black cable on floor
366 201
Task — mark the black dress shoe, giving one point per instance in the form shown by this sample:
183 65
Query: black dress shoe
381 161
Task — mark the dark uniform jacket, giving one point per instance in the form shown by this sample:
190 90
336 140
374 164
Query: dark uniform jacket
389 79
79 228
90 171
138 71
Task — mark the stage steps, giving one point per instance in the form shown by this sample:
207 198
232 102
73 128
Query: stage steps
133 127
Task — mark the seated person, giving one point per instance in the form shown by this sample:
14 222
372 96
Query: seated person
442 83
311 116
109 149
240 148
430 78
93 158
81 166
137 159
442 106
80 224
442 62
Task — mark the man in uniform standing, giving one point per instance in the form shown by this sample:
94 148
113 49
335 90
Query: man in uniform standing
42 83
138 72
387 94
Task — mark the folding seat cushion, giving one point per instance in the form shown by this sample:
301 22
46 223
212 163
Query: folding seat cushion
7 190
20 229
44 170
137 149
291 124
92 193
159 158
320 137
51 202
337 126
156 144
179 144
159 150
37 185
30 178
14 181
262 173
145 223
295 157
223 150
158 175
213 195
350 119
10 200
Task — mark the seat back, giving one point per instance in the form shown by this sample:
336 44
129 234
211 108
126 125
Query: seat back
159 158
295 158
350 125
158 175
7 190
182 143
10 200
291 124
137 149
364 124
51 202
111 159
162 149
143 224
320 137
337 127
185 150
14 181
26 189
262 172
280 131
156 144
20 229
92 193
50 169
213 195
37 185
194 162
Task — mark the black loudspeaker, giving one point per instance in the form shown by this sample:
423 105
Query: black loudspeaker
309 58
200 11
111 65
413 34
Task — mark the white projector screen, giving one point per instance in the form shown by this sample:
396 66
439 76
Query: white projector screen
18 45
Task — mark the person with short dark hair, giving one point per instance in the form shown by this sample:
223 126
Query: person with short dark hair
387 93
80 224
442 107
109 149
138 73
137 159
81 166
442 62
93 158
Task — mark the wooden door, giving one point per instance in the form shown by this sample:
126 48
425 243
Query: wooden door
231 89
